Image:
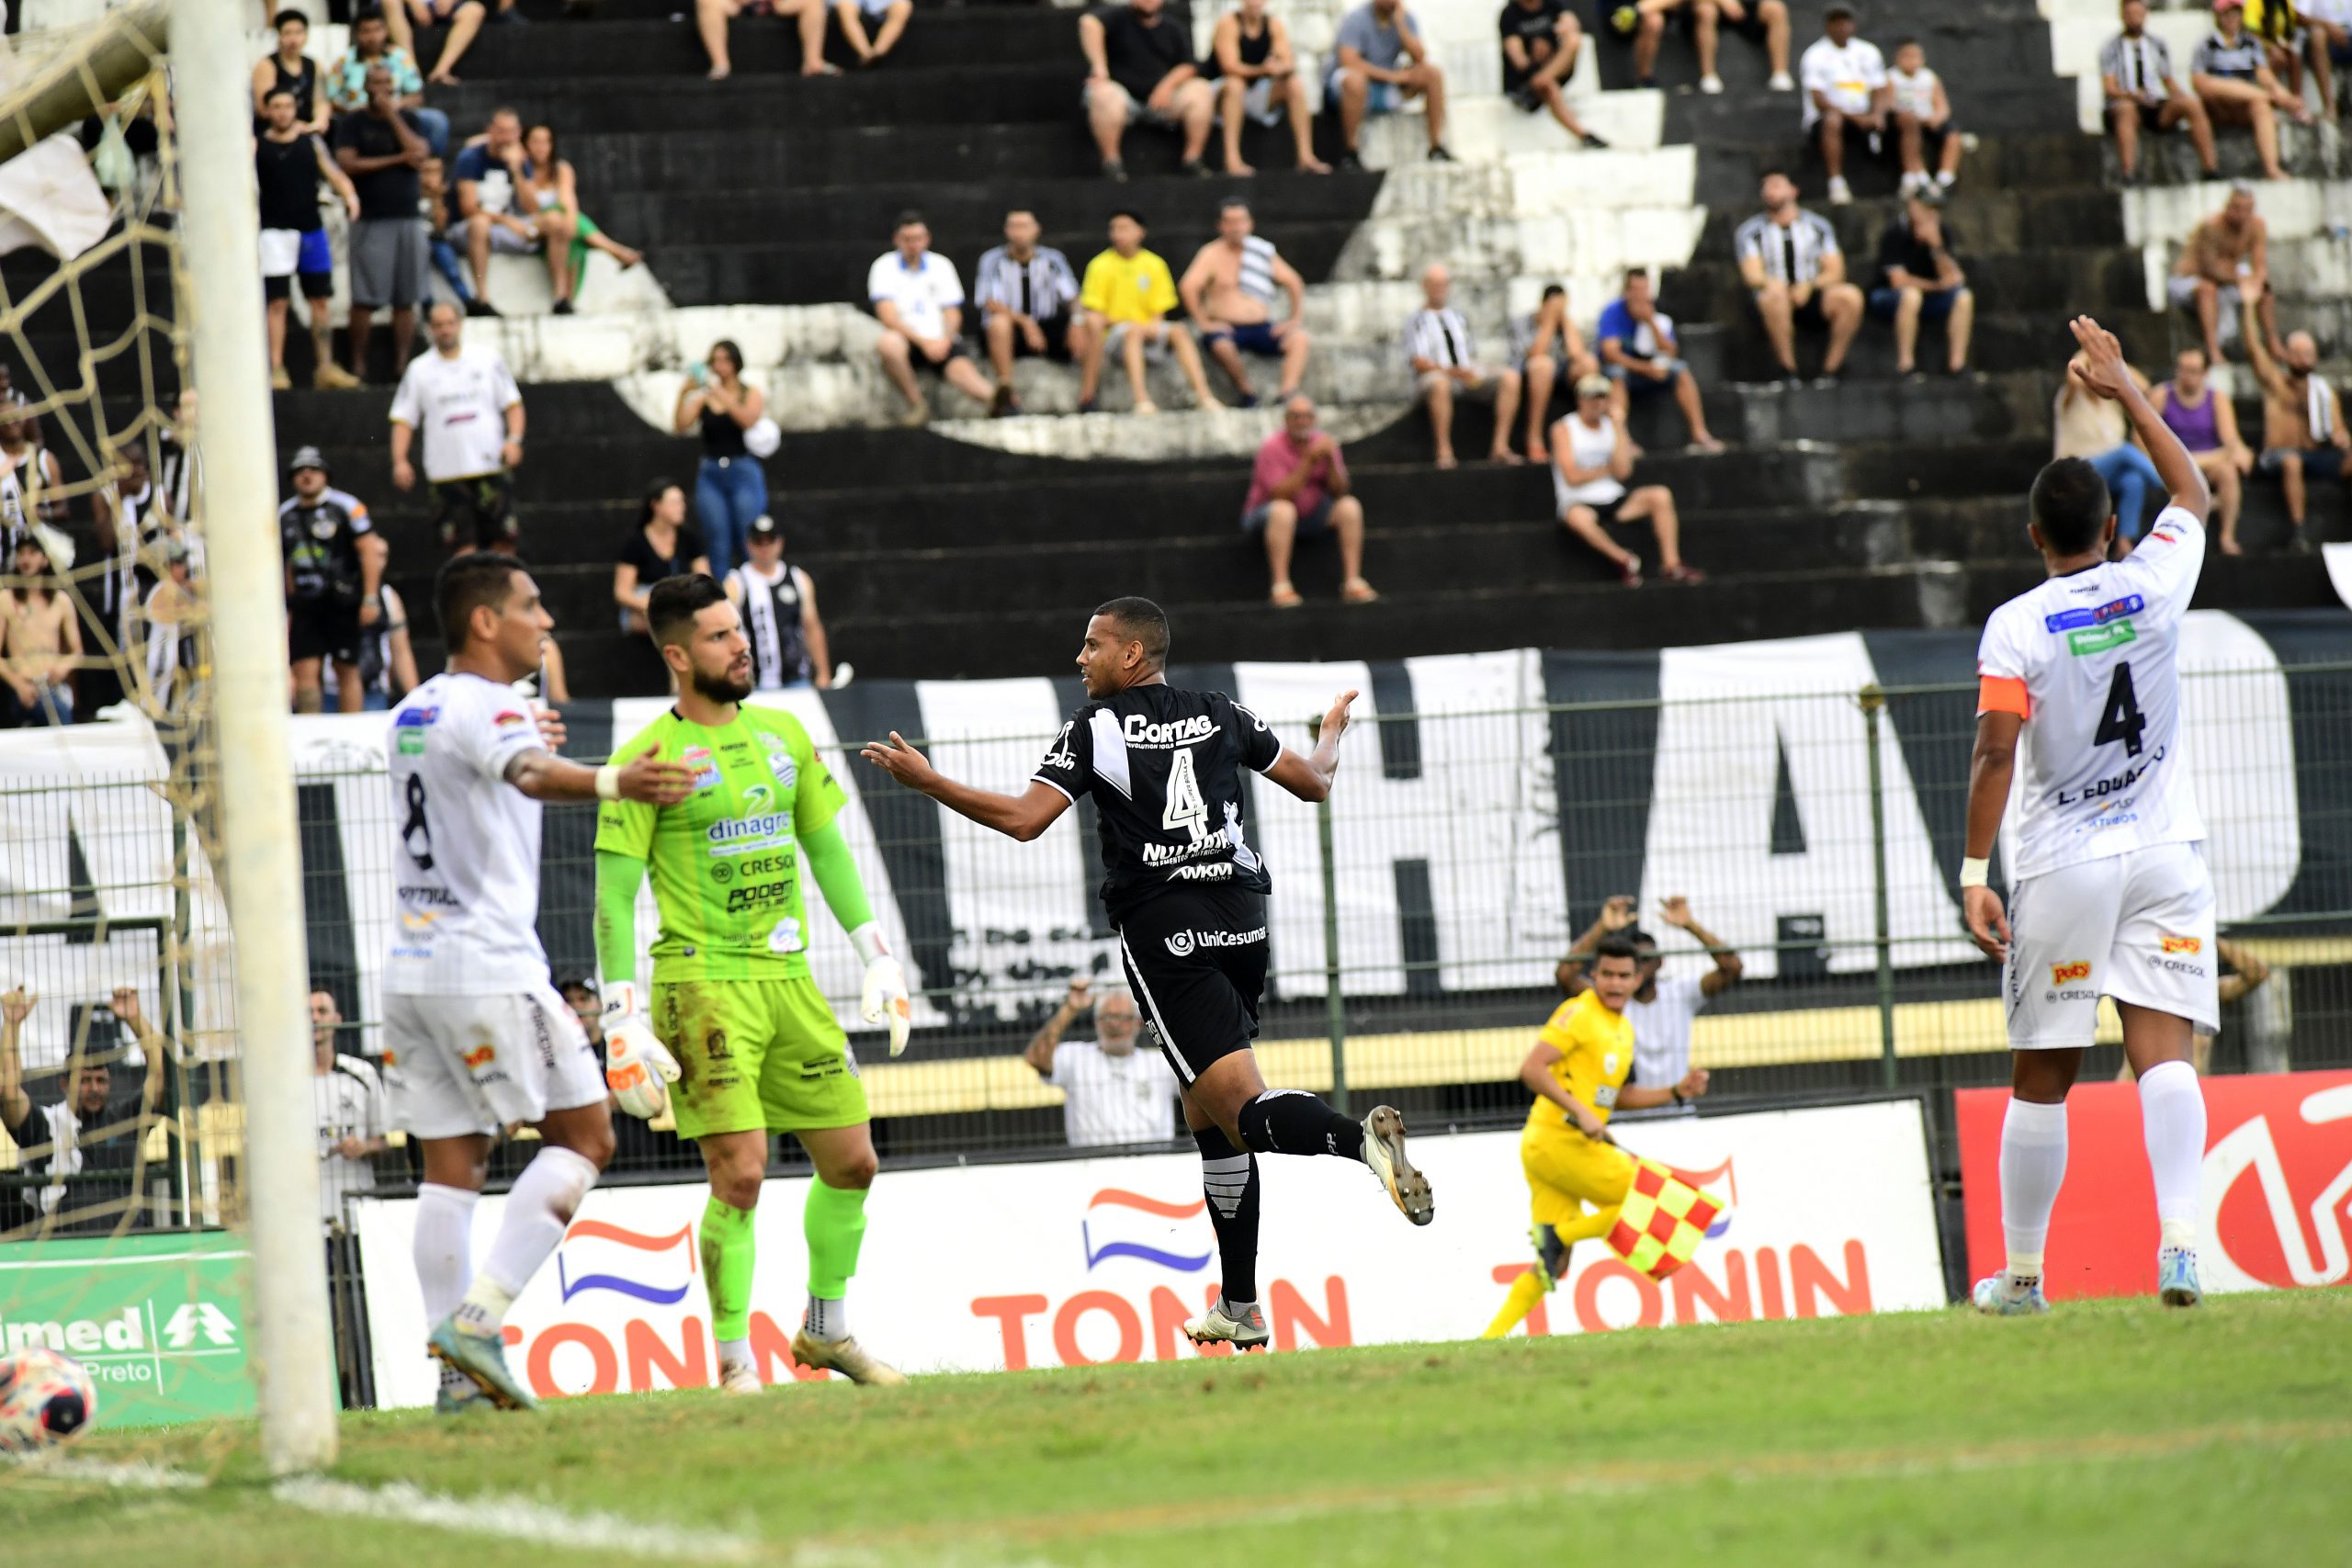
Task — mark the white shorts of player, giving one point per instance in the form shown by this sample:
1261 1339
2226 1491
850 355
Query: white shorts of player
2137 927
461 1065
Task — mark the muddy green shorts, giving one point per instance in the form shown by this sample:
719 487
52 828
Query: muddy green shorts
754 1055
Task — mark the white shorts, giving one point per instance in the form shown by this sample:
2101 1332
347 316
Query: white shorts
2137 927
460 1065
281 252
1156 347
505 241
1258 102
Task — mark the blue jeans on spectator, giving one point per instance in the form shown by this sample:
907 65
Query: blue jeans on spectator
51 705
444 262
436 130
729 493
2130 480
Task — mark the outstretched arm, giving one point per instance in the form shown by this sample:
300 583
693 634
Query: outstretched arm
1309 777
1022 817
2101 370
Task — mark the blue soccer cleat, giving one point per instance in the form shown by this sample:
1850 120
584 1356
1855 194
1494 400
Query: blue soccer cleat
482 1358
2177 1284
1993 1298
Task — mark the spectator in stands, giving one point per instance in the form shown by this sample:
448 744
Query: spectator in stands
498 197
1541 40
2231 76
2303 437
463 400
381 150
2331 25
1259 79
730 487
1924 128
1662 1010
889 18
1446 370
663 545
1790 260
1028 297
2093 428
40 635
918 300
2135 71
2286 34
288 162
558 184
1546 346
463 18
1228 293
1139 68
168 619
346 84
89 1133
1592 457
388 661
1111 1093
2224 265
1379 62
294 72
432 205
1299 485
33 471
1127 295
1641 357
1918 277
2207 423
1765 20
789 649
347 1102
334 579
712 18
1846 95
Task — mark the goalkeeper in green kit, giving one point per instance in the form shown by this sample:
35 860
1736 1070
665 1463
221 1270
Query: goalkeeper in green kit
751 1045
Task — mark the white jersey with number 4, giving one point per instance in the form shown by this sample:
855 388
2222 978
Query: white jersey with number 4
2091 662
466 861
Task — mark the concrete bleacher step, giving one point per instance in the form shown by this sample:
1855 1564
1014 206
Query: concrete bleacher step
944 38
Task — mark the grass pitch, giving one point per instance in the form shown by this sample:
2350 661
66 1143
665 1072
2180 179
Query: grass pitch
2113 1432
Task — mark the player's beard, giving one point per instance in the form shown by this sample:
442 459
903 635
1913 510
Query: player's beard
721 687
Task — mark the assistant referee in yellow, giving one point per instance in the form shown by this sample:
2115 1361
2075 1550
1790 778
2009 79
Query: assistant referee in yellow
1579 1071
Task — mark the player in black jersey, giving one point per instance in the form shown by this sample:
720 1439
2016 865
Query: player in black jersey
1188 895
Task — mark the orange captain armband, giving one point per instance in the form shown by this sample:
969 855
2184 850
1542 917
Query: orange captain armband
2002 693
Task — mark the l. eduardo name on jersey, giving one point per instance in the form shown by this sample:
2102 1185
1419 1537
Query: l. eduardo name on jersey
2103 788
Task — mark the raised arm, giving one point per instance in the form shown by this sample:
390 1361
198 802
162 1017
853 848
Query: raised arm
2101 370
14 1103
1676 911
1616 914
1048 1038
1022 817
1309 777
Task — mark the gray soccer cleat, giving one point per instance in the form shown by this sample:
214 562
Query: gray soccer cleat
846 1356
482 1358
2177 1284
1384 1150
1993 1298
1216 1327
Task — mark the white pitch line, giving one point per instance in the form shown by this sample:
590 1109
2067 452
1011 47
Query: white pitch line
135 1475
512 1518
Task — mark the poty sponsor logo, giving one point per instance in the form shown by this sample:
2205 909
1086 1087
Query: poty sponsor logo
598 1256
2066 974
508 718
480 1057
697 758
1140 731
1113 1207
2182 944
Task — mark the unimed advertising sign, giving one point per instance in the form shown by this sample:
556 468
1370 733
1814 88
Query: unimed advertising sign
1084 1261
2277 1189
158 1320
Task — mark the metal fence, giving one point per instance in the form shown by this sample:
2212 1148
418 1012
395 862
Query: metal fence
1420 916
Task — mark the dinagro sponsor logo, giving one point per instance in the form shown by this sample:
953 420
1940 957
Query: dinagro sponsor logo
748 835
2066 974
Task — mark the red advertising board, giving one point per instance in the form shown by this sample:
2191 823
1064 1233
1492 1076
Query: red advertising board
2276 1207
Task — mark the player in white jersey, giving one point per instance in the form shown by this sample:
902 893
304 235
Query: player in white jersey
2079 693
475 1035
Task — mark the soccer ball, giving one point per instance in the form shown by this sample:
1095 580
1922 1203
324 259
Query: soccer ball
1625 19
45 1398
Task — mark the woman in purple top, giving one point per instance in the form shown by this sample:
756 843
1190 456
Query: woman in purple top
2208 426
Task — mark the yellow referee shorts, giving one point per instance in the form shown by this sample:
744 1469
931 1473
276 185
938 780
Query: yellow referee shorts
1566 1170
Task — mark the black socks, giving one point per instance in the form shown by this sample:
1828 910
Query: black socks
1293 1122
1229 1178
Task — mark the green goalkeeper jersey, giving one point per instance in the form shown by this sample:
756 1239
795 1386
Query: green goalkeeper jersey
725 860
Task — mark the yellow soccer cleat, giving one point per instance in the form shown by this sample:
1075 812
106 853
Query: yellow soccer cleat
846 1356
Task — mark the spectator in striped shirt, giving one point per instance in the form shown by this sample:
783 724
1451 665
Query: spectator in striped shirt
1028 295
2135 71
2232 74
1790 260
1446 370
1228 292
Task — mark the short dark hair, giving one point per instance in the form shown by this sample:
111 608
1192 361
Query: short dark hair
1642 273
1142 620
734 351
1903 43
468 583
1130 214
2071 506
1227 204
280 93
908 219
368 14
1616 944
289 14
1775 169
1556 291
443 304
1012 212
654 492
670 608
1639 938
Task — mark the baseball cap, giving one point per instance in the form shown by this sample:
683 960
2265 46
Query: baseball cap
1592 387
54 543
764 527
577 980
307 458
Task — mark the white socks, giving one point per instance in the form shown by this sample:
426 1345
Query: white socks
2172 1119
539 1211
2033 1165
826 1320
443 1248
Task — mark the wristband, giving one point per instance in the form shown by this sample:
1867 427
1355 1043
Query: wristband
867 941
608 783
1972 871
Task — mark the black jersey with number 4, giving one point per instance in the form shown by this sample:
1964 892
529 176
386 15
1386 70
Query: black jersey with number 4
1165 767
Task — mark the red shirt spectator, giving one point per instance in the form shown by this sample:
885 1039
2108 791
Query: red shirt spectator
1300 484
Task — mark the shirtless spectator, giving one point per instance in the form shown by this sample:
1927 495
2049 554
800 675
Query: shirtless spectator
2135 71
2226 263
2303 437
1641 357
2230 73
1229 291
1765 20
2202 416
1446 370
1549 351
40 637
1258 80
1846 95
1541 41
1139 67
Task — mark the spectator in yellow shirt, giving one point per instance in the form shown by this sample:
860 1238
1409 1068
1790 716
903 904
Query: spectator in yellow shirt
1126 296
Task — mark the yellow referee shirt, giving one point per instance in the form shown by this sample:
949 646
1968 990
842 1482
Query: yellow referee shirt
1128 288
1595 1048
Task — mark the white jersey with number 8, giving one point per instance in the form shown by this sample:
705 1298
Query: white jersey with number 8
2090 662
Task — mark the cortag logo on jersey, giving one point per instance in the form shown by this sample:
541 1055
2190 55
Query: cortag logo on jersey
2099 639
1141 731
2062 973
2183 945
698 758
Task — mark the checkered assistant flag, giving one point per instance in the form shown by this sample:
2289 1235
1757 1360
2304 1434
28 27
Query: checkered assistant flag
1662 1221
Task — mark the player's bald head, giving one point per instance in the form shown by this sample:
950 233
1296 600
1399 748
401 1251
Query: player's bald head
1138 620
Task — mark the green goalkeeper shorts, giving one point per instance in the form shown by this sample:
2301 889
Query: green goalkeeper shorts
756 1054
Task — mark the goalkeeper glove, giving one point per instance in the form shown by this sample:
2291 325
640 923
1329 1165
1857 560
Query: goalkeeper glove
884 996
637 1069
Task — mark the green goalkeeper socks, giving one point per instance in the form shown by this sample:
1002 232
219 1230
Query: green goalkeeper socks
833 1218
728 1253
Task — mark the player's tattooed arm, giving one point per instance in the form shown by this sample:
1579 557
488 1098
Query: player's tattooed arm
1989 769
1309 777
1022 817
